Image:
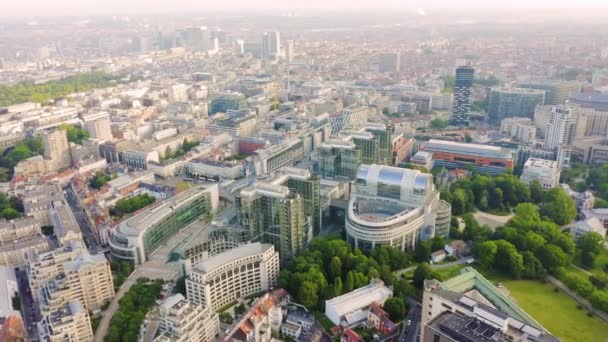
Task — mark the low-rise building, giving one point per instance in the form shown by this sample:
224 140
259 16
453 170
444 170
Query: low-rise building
19 237
213 168
337 309
546 172
589 225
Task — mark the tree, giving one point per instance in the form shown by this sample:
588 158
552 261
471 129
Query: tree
536 191
508 259
308 294
485 253
74 134
459 202
552 257
10 214
533 268
338 287
395 307
403 288
422 272
349 284
423 251
558 206
439 124
496 199
335 267
168 153
437 243
591 242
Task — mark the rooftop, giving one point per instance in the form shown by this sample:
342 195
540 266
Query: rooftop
435 145
234 254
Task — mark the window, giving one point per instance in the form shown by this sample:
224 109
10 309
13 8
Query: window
436 338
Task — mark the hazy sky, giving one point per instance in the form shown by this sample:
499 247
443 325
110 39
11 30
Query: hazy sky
89 7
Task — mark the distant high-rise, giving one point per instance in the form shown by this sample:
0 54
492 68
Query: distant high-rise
463 83
561 127
98 125
289 51
389 62
197 38
557 92
271 45
508 102
57 149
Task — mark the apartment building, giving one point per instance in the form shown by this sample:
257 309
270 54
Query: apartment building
182 321
236 273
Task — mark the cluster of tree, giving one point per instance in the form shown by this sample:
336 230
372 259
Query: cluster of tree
134 306
396 308
489 81
439 124
527 246
592 288
330 267
503 192
75 134
42 93
500 193
590 245
27 148
597 180
10 207
181 150
129 205
479 106
120 272
99 180
425 248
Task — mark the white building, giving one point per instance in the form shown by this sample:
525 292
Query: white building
214 168
592 224
561 127
396 207
182 321
546 172
522 129
8 290
356 300
233 274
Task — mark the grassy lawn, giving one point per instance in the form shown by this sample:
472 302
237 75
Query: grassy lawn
448 272
554 310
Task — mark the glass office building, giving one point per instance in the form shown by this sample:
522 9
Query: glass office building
138 236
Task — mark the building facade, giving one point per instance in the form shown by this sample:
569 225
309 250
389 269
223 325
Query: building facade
546 172
236 273
463 84
182 321
508 102
68 323
485 159
396 207
141 234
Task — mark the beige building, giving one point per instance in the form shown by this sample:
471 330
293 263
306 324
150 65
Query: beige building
233 274
19 237
66 324
86 278
56 150
546 172
182 321
42 267
98 125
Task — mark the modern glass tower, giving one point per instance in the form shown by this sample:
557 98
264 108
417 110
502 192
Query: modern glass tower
463 83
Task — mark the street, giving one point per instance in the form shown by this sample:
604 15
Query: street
411 331
83 221
28 306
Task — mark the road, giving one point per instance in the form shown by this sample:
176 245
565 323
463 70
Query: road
29 308
412 331
435 266
83 220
